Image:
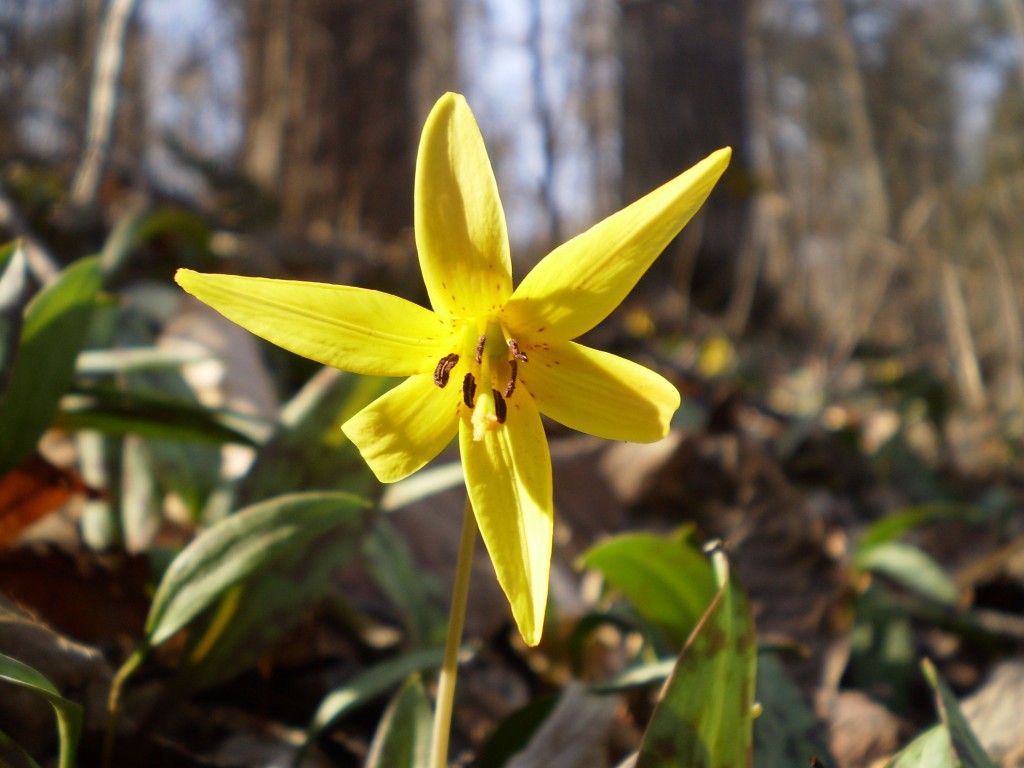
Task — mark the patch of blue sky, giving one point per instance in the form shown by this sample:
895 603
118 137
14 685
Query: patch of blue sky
194 84
497 61
978 84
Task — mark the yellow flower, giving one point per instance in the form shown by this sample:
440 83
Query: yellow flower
487 361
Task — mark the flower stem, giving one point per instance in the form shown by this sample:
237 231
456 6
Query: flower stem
450 665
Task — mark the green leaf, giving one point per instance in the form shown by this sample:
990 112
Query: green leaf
515 731
704 717
133 230
69 714
56 322
951 743
249 542
969 751
7 254
12 285
668 580
932 749
310 451
13 756
893 526
414 593
254 615
115 412
785 733
403 736
109 362
367 685
910 567
639 676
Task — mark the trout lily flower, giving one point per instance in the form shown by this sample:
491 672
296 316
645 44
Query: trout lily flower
486 360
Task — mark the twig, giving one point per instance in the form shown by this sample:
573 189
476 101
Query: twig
102 101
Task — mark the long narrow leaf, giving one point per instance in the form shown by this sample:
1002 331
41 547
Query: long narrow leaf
246 543
120 413
69 714
368 685
56 322
403 737
951 743
965 744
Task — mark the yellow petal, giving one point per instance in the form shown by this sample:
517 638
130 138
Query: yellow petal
508 476
579 283
354 329
460 226
599 393
405 428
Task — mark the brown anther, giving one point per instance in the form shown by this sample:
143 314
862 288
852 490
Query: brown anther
480 349
511 386
468 390
518 354
500 409
444 369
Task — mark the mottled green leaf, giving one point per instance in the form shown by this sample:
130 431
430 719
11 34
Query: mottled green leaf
255 614
668 580
247 543
403 736
704 716
54 330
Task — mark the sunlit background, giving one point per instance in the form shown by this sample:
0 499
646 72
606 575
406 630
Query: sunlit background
872 206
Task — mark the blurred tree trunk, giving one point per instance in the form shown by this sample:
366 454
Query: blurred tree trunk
329 112
601 100
436 69
683 97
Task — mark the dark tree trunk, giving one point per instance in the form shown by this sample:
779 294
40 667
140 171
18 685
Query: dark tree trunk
683 97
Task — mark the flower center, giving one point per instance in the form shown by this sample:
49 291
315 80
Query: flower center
491 363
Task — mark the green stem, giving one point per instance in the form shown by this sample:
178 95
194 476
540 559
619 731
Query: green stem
450 664
114 700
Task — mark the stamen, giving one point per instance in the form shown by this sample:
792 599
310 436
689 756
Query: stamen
511 386
500 409
444 369
468 390
480 349
518 354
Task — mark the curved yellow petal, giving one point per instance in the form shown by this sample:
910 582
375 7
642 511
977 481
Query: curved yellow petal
354 329
508 476
579 283
460 225
405 428
599 393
